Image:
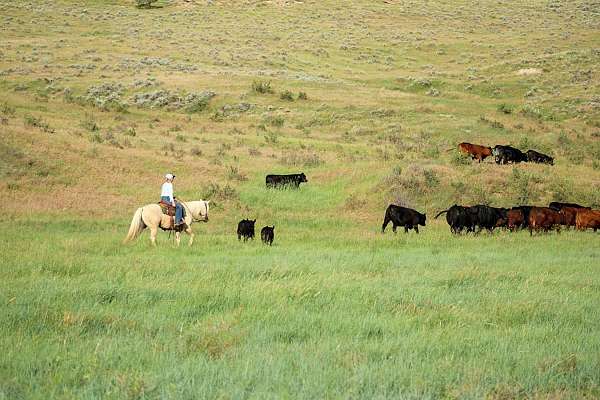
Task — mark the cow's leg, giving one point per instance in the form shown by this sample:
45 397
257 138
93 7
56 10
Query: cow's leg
394 227
386 221
406 228
416 229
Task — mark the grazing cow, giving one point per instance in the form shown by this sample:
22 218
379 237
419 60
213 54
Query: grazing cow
508 154
402 216
544 218
587 219
557 206
246 229
534 156
267 234
476 151
458 218
291 180
518 217
486 217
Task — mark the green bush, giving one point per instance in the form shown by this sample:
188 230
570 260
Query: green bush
286 95
144 3
459 158
275 120
198 105
262 87
523 186
37 122
506 108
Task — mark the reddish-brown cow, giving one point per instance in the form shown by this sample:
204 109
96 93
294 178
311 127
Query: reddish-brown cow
476 151
587 219
569 214
544 218
516 219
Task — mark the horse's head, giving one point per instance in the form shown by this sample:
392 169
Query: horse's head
198 210
206 207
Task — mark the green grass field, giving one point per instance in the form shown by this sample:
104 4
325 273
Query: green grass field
99 100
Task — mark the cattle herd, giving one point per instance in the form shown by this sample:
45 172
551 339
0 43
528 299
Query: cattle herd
503 154
479 217
464 218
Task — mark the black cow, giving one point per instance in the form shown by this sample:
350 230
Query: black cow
246 229
534 156
459 218
557 206
267 234
291 180
486 217
508 154
402 216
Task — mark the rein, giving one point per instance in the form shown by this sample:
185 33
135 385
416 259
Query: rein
192 214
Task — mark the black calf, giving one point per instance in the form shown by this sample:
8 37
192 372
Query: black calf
246 229
267 234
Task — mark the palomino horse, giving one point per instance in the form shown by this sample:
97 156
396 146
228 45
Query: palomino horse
151 216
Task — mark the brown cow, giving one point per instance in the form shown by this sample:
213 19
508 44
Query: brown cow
569 214
476 151
516 219
544 218
587 219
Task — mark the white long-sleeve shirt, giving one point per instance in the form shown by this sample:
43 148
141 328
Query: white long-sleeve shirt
167 190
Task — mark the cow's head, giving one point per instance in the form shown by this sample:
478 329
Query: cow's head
303 178
422 219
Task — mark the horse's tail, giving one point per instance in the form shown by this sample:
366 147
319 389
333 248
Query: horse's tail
136 227
440 213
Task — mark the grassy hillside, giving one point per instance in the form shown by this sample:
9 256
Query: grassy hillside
369 99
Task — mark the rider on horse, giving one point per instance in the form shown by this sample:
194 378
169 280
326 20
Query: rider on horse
166 195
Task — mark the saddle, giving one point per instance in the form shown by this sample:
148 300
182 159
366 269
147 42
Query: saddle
167 208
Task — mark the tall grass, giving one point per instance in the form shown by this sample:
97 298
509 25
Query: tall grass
346 312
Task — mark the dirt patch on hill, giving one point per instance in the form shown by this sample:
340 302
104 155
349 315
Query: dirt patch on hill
529 71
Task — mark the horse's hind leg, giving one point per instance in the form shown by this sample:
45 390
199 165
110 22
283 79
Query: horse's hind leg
153 232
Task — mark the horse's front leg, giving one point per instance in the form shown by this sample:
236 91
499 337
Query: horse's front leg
177 238
189 232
